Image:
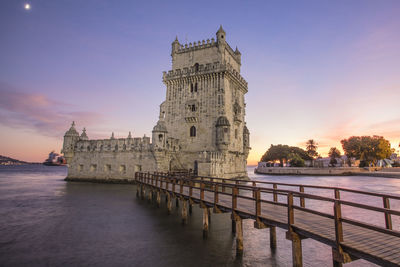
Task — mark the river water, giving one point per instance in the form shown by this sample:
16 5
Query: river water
45 221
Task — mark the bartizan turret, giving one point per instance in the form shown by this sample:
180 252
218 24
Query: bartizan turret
159 135
223 133
71 137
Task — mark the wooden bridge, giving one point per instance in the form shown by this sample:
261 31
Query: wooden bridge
271 207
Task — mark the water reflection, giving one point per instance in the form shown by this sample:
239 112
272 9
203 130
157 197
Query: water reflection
46 221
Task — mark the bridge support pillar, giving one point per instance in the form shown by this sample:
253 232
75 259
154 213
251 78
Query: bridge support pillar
239 235
205 222
272 237
297 256
177 202
190 209
339 257
169 203
184 211
233 226
158 198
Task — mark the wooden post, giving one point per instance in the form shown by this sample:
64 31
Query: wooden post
388 216
254 185
190 209
272 237
302 200
297 256
202 185
158 198
239 235
275 194
184 211
290 210
150 195
223 186
336 253
337 193
205 222
169 203
234 206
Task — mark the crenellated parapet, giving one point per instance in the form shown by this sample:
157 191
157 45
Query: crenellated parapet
196 46
114 145
210 69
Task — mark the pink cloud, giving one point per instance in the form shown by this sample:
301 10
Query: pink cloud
39 113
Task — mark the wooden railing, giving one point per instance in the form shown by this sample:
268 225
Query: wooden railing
253 192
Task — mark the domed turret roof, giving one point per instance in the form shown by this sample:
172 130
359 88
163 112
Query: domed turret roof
84 135
72 131
160 127
222 121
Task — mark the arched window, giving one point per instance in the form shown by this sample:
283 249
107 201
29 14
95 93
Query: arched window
196 67
192 131
195 87
160 137
193 107
191 87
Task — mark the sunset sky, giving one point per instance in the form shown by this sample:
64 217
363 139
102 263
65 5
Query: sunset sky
322 70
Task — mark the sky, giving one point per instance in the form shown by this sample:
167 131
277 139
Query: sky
322 70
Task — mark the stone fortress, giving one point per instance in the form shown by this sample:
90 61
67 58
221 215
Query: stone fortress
201 125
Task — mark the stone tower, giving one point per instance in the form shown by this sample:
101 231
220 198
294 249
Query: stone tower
205 109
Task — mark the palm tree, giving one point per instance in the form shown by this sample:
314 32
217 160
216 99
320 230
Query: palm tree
311 148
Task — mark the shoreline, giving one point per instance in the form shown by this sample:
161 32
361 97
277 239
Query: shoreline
330 171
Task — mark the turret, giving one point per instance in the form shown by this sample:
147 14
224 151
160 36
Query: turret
159 134
71 137
175 46
221 36
238 55
223 133
84 135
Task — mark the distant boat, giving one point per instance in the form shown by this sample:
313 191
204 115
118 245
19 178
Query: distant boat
55 159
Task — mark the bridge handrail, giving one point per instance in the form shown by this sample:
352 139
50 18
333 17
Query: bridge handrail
301 195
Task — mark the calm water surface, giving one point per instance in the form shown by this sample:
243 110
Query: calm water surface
45 221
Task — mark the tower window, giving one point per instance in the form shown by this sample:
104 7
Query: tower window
193 107
192 131
196 67
195 87
160 137
191 87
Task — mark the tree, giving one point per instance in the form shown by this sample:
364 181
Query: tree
311 148
367 149
282 152
278 152
334 153
295 160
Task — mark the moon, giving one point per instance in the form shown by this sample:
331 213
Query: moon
27 6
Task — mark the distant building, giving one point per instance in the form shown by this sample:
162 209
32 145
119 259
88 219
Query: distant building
201 124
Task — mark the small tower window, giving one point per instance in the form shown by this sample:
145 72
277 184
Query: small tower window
195 87
196 67
191 87
192 131
160 137
193 107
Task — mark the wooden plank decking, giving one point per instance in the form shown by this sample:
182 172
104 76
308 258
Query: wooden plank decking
349 239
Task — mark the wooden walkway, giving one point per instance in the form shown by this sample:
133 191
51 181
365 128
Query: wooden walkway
258 200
